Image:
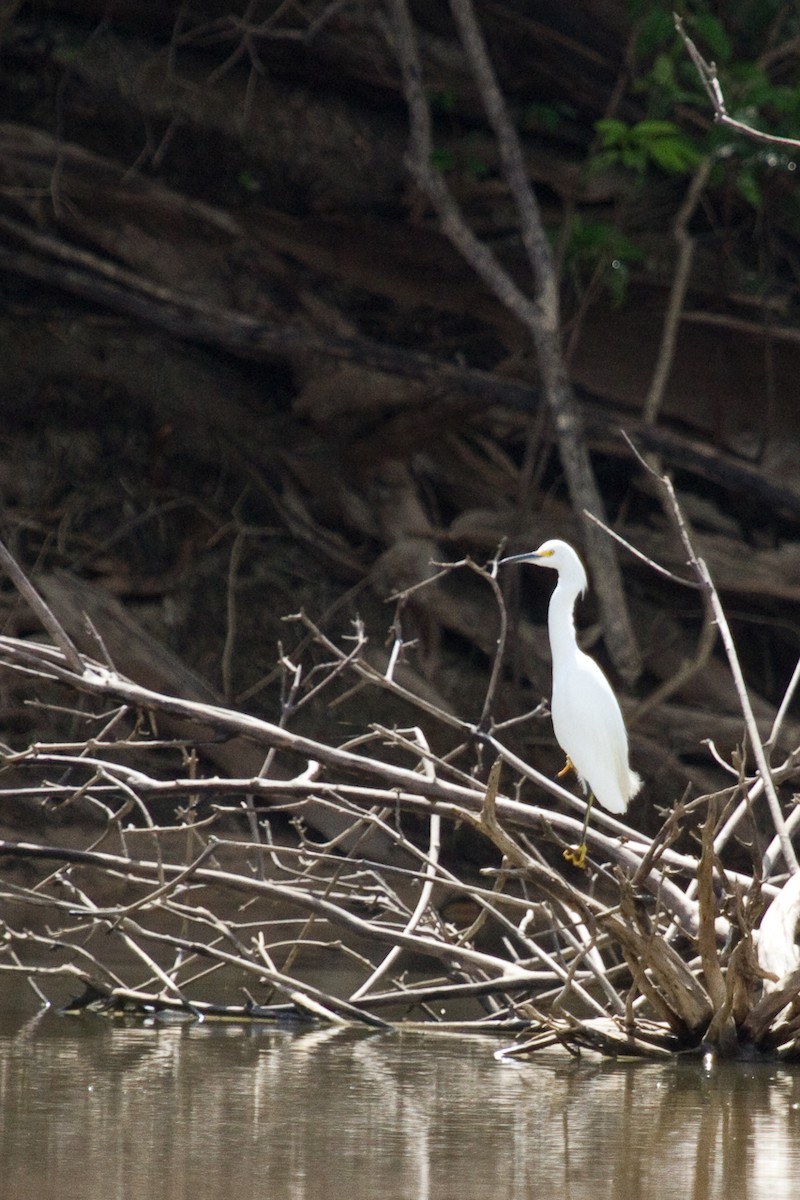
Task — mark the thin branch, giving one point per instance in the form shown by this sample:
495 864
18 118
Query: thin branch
677 296
539 316
706 583
710 81
434 847
42 611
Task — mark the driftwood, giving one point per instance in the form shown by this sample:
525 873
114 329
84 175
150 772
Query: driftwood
398 404
99 624
558 954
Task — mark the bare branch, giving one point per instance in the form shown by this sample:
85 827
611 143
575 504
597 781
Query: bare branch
710 81
42 611
539 316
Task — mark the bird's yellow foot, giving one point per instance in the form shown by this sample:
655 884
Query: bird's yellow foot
565 770
576 855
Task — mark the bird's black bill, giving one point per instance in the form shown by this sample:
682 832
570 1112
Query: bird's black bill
528 556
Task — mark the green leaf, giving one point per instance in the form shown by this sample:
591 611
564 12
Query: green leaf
713 33
634 158
785 100
655 129
612 132
656 29
747 186
663 71
594 244
674 155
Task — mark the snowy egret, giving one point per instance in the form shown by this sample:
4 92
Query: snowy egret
587 720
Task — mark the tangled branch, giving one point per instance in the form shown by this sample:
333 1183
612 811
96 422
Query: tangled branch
661 952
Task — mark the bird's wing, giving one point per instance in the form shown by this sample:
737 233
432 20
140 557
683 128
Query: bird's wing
588 725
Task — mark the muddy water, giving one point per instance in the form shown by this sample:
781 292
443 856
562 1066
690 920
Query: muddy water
104 1111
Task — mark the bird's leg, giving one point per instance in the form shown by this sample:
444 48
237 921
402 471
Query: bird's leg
565 770
577 854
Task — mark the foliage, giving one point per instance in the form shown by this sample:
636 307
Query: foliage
752 50
644 144
600 251
662 125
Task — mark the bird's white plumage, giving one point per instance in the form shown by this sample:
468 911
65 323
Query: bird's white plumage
589 729
587 720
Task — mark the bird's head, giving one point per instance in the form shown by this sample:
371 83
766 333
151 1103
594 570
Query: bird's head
558 555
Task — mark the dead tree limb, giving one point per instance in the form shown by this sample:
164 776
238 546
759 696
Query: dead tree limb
539 316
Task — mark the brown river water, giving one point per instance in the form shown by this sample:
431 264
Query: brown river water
102 1110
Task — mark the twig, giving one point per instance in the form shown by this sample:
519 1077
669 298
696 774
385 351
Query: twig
421 907
500 652
558 948
752 728
229 644
650 562
783 708
708 77
307 995
369 673
540 316
708 635
43 612
459 956
680 284
706 583
721 1030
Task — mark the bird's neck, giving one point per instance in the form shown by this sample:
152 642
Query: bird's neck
561 623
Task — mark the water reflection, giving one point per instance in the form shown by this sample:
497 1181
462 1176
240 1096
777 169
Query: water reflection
95 1109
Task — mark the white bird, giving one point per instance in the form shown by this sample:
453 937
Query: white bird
587 720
